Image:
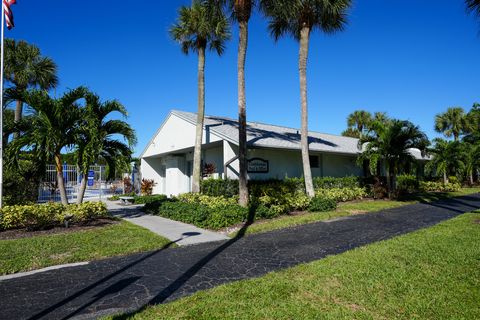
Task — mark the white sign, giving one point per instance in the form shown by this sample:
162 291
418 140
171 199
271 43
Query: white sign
257 165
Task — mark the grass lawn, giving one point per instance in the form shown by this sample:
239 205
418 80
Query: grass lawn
433 273
350 208
43 251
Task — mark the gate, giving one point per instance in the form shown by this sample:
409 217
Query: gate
97 186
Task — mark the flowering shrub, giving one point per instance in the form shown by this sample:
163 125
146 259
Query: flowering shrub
147 187
42 216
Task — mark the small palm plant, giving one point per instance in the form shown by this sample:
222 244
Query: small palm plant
53 126
198 28
100 138
299 18
447 158
391 143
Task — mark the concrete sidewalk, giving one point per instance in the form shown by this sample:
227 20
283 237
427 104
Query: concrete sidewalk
172 230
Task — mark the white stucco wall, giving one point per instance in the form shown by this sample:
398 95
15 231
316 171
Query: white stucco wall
151 169
175 134
340 166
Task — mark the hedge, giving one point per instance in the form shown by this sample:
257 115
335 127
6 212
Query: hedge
43 216
430 186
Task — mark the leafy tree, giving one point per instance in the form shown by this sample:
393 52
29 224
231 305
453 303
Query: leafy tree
453 122
391 143
98 138
359 119
447 158
471 159
199 27
26 68
53 127
299 18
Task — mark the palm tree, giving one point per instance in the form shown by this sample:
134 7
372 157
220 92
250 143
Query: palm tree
53 127
98 138
241 12
473 6
359 119
200 27
26 68
351 132
392 142
471 159
447 158
299 18
452 122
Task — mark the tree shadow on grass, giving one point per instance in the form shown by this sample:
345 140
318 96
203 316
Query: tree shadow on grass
187 275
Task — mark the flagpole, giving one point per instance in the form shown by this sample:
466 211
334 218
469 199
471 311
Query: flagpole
1 106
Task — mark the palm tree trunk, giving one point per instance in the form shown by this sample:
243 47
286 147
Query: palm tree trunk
389 179
18 115
445 178
302 67
197 154
60 181
81 190
242 114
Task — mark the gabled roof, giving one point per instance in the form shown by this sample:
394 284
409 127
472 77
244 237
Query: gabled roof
271 136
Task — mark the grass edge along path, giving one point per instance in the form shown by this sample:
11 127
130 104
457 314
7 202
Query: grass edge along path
348 209
37 252
432 273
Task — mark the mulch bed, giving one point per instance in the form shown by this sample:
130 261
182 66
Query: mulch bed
23 233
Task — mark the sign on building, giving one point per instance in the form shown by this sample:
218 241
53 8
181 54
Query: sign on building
257 165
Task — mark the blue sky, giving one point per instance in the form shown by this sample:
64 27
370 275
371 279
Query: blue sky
410 58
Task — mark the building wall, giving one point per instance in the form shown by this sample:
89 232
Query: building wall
151 168
340 166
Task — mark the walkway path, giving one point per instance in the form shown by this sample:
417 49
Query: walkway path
129 283
172 230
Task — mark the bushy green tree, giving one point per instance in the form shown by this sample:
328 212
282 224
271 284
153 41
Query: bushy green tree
446 158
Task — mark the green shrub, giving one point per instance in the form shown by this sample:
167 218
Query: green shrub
432 186
203 216
149 199
219 187
209 201
320 204
331 182
42 216
342 194
86 211
407 183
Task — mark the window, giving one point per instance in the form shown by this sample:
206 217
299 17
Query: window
314 162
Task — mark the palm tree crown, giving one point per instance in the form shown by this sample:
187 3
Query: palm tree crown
201 27
473 6
359 119
453 122
290 16
447 158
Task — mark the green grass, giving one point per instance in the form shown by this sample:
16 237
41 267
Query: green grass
350 208
433 273
43 251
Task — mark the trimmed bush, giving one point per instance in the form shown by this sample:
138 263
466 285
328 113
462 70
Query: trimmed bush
43 216
407 183
320 204
331 182
209 201
202 215
342 194
149 199
431 186
219 187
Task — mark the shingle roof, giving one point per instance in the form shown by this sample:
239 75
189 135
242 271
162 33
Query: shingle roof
273 136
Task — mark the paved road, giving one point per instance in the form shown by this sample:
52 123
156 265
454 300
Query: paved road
129 283
184 234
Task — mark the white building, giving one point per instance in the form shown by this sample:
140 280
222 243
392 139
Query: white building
273 152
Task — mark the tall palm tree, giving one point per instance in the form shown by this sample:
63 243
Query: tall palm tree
26 68
53 127
198 28
299 18
391 142
453 122
359 119
447 158
241 13
99 138
470 159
